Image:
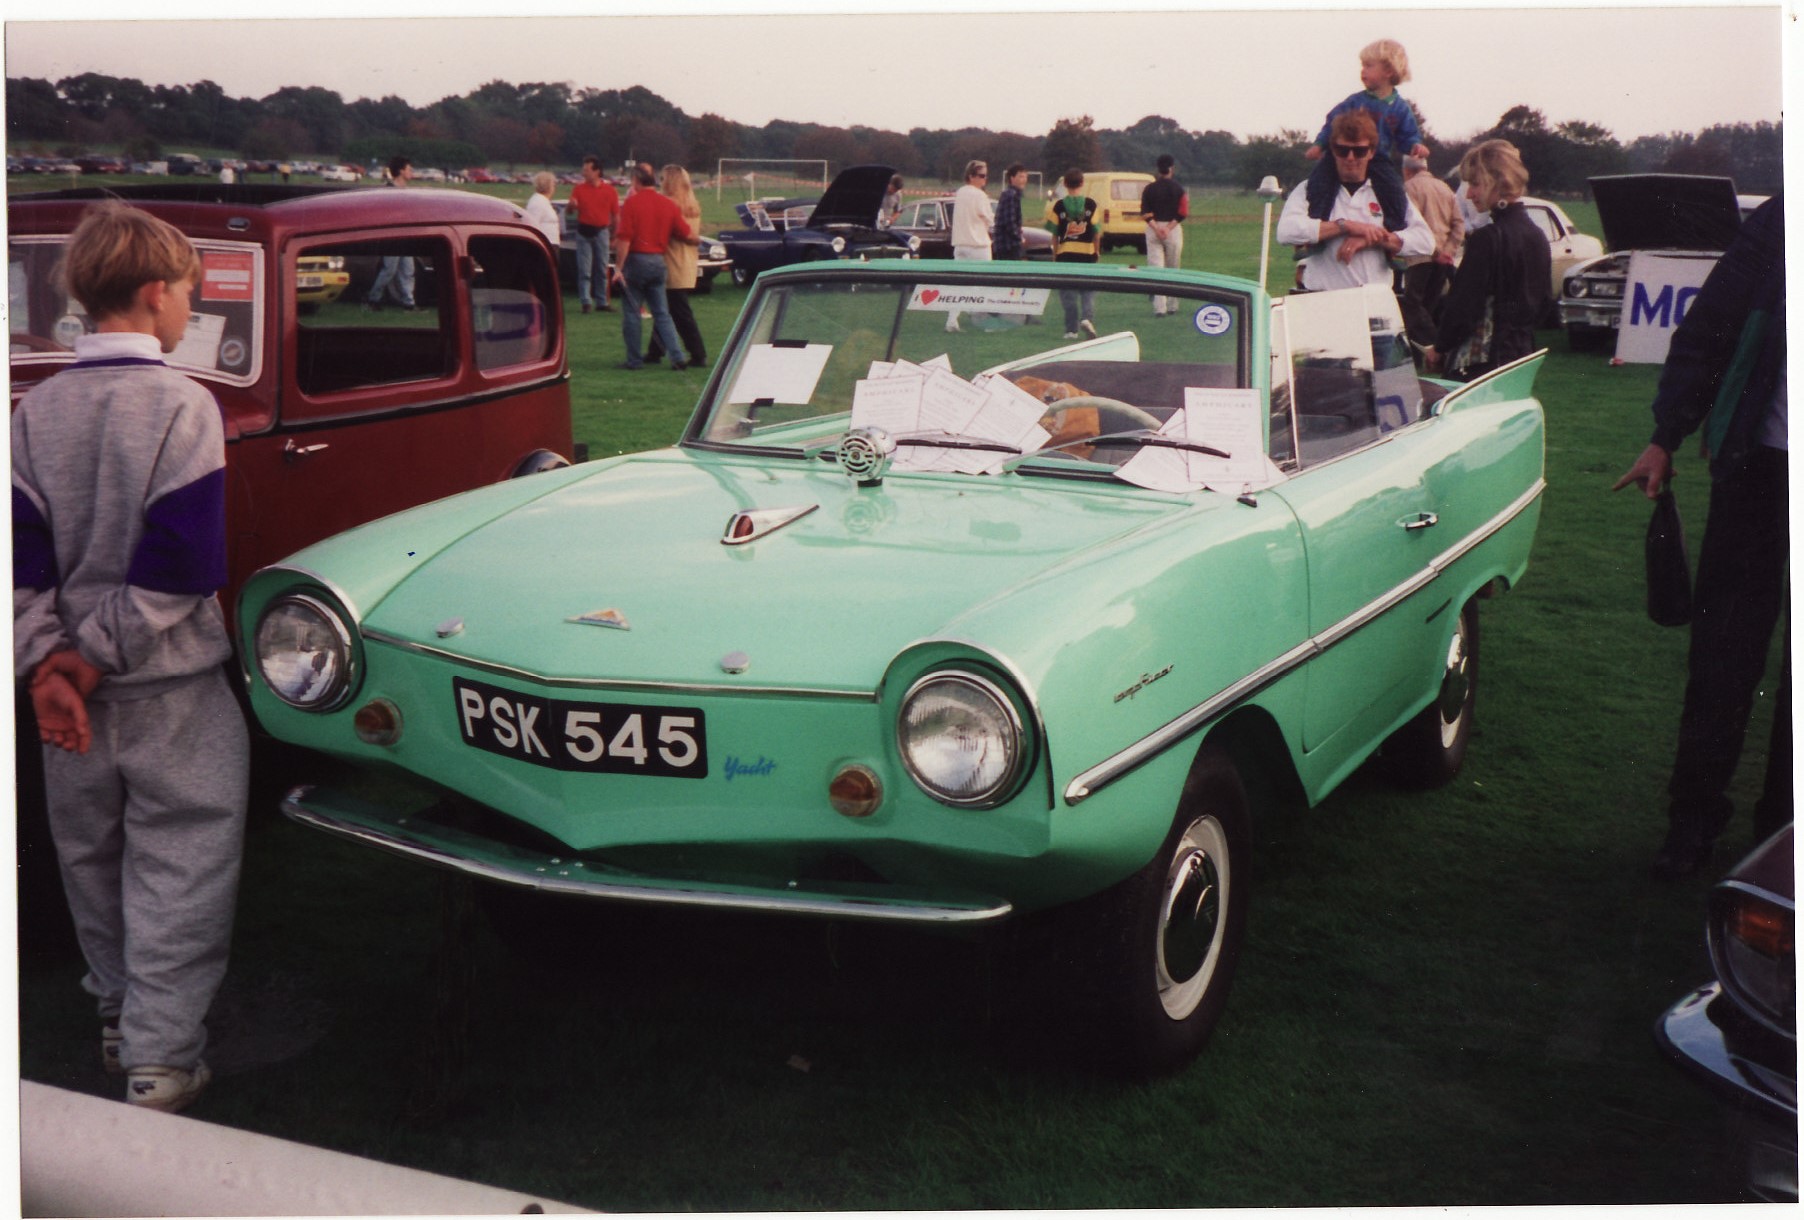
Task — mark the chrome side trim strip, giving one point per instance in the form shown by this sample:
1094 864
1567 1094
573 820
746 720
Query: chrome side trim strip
552 876
1110 769
620 684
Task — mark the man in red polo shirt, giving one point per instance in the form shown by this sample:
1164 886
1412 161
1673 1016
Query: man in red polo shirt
596 203
649 222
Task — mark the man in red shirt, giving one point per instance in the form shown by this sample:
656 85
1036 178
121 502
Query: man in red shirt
649 222
596 203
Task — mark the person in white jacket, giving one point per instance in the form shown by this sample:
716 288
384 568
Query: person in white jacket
539 211
1352 247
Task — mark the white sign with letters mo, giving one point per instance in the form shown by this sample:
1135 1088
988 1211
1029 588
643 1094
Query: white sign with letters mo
1654 301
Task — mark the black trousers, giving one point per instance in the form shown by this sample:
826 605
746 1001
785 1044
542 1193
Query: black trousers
1423 284
1739 593
683 318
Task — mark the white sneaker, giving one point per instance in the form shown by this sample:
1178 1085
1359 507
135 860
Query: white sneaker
1071 334
110 1042
1088 327
166 1088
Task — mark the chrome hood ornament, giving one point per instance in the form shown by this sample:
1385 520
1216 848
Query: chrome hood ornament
751 524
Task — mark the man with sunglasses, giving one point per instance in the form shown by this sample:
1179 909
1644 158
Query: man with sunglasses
1352 247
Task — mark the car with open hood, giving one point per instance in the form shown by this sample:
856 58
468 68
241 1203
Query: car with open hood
841 224
1680 215
948 628
1738 1034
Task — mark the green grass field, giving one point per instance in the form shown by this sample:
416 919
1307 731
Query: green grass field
1445 998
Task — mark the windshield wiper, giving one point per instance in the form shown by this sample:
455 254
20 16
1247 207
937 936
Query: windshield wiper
1138 439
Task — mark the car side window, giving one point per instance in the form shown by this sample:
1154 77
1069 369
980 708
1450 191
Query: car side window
372 313
511 302
1549 225
1352 376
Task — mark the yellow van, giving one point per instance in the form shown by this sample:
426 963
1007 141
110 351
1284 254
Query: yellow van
1117 198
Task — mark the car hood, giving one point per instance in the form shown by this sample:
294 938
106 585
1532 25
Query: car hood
854 197
1667 211
825 602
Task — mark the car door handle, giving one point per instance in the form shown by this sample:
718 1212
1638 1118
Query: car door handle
292 452
1420 521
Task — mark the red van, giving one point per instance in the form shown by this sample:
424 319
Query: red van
338 408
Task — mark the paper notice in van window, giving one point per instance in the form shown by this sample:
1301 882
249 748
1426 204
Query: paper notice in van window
780 372
226 275
199 347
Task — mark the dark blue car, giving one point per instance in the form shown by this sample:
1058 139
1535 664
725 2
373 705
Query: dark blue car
841 224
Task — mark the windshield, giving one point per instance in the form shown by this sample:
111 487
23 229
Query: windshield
1011 361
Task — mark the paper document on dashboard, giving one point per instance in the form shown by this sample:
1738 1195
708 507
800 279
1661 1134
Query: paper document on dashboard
1228 420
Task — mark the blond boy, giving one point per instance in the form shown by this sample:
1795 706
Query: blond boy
1383 65
118 475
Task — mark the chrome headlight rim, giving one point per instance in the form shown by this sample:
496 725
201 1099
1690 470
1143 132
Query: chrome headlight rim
344 687
1009 783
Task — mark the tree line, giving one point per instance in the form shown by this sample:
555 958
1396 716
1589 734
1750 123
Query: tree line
541 124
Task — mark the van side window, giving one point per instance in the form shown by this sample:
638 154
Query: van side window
372 313
224 339
511 302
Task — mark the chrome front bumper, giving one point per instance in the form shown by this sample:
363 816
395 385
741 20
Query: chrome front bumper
417 837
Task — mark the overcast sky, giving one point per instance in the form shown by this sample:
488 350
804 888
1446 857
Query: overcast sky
1019 66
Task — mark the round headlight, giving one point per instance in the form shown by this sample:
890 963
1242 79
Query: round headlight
961 739
304 653
838 244
1575 288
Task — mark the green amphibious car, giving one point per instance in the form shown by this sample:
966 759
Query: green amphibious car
972 592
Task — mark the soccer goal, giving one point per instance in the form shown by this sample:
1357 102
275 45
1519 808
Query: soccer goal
767 176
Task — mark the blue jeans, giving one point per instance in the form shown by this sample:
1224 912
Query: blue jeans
592 267
643 278
396 277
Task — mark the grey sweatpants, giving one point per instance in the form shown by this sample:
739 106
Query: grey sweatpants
149 829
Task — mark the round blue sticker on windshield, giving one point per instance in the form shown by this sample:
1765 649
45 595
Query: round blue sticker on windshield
1214 319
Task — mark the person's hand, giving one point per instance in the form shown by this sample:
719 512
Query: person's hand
1313 152
73 667
61 712
1351 245
1432 360
1444 257
1652 471
1420 150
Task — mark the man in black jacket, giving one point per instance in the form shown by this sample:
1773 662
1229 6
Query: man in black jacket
1725 370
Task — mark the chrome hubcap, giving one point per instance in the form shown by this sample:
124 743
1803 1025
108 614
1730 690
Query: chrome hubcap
1190 923
1456 684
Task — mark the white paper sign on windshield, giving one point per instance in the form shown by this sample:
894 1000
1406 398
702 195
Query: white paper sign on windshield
980 298
780 372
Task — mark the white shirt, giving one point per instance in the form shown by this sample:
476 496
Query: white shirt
1323 269
542 215
972 216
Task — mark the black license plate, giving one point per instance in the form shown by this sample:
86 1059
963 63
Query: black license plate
568 735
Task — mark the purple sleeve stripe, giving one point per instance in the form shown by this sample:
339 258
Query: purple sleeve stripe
34 552
183 549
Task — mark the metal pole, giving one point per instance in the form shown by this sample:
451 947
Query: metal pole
1268 191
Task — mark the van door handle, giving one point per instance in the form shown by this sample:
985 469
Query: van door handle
1420 521
292 452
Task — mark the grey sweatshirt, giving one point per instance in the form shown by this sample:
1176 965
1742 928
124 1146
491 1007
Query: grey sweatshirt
118 467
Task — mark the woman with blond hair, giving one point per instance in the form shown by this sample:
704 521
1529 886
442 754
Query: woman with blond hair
1501 290
680 268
